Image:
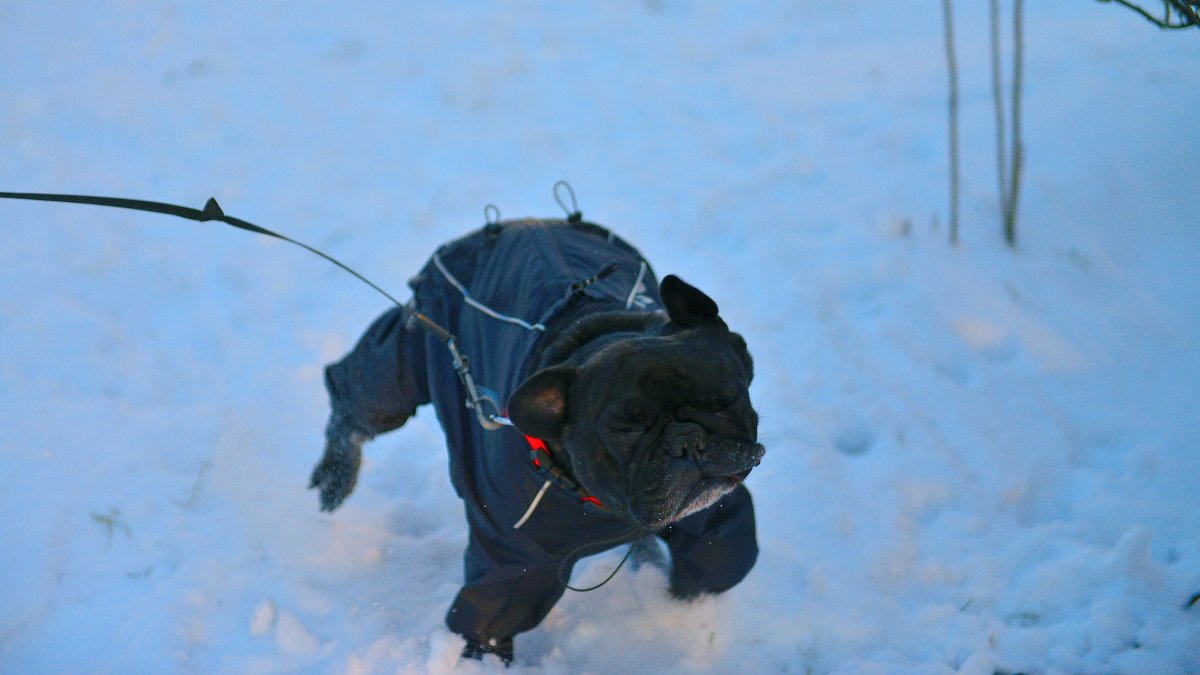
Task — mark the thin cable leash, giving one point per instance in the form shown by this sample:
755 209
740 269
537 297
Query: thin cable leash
562 578
213 212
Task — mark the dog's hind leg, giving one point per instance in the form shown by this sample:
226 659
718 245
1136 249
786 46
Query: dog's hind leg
374 389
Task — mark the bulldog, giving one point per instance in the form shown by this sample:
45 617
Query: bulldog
629 407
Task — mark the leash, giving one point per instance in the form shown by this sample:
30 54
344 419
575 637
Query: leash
562 578
478 398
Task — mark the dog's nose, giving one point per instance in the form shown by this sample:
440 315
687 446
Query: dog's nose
684 438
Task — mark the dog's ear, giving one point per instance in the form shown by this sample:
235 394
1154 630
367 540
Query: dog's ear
539 406
687 305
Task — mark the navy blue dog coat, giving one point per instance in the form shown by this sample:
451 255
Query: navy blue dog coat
497 290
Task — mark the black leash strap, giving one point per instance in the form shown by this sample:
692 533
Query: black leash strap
211 211
477 400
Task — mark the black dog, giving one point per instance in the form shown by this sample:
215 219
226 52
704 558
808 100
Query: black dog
632 420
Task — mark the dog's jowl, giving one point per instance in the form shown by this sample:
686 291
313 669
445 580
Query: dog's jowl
630 408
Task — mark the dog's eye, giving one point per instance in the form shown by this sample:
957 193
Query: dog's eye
723 416
642 416
635 420
629 427
728 409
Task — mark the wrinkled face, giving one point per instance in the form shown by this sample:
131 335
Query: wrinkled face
663 426
656 424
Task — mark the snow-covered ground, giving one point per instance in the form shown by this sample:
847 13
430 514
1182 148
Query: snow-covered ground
978 461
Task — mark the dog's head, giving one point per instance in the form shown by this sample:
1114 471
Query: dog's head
656 424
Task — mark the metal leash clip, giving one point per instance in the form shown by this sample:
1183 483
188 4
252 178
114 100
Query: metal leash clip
477 396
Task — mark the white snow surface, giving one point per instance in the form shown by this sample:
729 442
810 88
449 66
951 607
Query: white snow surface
978 460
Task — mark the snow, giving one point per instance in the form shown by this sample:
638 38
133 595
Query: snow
978 460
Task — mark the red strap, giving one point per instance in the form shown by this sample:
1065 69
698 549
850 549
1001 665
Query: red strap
539 444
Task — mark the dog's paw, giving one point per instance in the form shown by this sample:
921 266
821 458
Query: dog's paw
337 472
502 648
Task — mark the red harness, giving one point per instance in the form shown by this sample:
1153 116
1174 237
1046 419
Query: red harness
544 464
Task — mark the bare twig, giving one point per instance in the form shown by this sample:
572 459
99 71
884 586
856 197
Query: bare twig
1188 15
112 522
1186 9
998 105
1018 150
952 67
191 500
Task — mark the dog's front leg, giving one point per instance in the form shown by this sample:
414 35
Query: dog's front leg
714 549
337 472
510 586
374 389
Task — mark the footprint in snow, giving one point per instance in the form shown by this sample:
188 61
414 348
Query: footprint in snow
992 341
854 439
